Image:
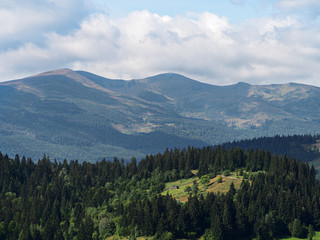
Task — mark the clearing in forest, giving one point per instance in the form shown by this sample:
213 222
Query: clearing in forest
181 189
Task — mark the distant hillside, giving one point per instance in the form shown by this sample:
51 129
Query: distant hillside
302 147
79 115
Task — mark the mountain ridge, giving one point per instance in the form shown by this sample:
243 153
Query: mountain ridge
89 116
66 71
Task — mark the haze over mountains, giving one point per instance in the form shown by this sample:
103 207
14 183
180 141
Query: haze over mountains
79 115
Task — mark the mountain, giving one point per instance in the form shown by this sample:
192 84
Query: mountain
79 115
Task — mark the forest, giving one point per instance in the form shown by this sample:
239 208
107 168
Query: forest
298 146
279 196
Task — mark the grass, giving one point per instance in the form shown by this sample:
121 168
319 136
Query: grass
127 238
316 237
212 186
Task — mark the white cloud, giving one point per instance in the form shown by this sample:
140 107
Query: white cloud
297 4
27 21
307 8
203 46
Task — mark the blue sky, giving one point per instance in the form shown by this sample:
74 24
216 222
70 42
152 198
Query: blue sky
219 42
236 11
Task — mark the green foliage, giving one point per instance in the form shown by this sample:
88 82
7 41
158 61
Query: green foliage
208 235
298 146
205 179
188 189
164 236
2 230
107 227
72 200
216 228
296 229
311 232
195 188
315 237
226 173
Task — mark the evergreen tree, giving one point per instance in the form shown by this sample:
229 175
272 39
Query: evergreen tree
311 232
296 228
217 228
86 229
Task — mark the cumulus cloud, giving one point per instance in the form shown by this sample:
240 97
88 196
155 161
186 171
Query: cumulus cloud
203 46
28 21
308 8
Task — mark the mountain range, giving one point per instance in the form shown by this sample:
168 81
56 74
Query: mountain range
80 115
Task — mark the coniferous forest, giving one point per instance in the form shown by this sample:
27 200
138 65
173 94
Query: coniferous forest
297 146
71 200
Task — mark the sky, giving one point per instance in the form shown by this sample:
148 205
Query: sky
220 42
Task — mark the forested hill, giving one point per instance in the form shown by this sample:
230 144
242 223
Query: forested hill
303 147
67 200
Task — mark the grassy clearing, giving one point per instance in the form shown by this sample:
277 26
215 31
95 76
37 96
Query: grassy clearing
177 188
316 237
127 238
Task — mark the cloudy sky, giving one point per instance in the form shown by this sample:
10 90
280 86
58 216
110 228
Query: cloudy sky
220 42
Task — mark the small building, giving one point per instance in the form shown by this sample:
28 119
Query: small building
174 187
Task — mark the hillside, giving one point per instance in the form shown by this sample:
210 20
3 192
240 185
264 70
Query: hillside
79 115
302 147
264 197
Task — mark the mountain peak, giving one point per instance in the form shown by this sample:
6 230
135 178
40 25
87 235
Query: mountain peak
62 71
168 76
242 84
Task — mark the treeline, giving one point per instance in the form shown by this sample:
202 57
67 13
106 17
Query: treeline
297 146
69 200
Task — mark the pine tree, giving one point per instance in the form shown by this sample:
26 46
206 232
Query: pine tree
217 228
296 229
311 232
86 229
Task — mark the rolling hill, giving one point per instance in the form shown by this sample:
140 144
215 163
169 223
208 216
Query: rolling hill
79 115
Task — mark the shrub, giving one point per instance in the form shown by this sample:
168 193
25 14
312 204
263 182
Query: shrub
226 173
